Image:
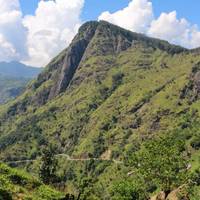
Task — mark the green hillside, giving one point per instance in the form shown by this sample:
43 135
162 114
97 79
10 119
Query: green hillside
124 107
11 87
15 184
14 77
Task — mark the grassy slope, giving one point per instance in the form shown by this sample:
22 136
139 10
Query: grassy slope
16 184
91 117
73 110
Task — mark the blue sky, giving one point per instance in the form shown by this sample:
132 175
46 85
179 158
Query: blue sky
34 38
188 9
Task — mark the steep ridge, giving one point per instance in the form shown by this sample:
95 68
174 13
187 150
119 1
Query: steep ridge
107 95
111 39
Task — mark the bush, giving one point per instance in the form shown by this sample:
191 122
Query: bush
128 190
117 80
5 195
195 142
49 166
99 146
17 179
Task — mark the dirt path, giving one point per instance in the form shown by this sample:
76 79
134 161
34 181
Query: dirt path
67 158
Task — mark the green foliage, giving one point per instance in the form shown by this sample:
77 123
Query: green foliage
15 184
195 142
99 146
127 190
124 99
161 162
116 80
48 166
85 186
193 187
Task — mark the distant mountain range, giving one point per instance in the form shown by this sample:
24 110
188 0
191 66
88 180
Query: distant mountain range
17 69
13 78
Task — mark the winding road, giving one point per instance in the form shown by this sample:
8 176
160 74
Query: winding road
67 158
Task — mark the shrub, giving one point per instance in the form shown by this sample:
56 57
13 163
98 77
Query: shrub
128 190
195 142
49 166
99 146
5 195
117 80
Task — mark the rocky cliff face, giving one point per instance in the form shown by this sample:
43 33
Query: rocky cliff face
73 57
60 71
93 39
192 89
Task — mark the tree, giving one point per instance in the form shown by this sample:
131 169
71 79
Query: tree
117 80
85 187
48 167
129 190
161 162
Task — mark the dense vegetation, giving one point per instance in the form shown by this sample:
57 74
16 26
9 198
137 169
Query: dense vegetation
15 184
121 111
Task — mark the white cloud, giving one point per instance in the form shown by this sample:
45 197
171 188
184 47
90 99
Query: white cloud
12 31
195 38
9 5
167 26
138 16
51 28
178 31
7 50
35 39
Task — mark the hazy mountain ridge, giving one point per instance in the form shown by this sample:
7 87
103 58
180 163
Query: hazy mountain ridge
11 87
13 79
109 94
17 69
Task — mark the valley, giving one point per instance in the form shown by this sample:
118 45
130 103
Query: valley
121 112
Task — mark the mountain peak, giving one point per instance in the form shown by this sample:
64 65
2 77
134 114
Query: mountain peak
89 24
111 97
123 39
93 39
